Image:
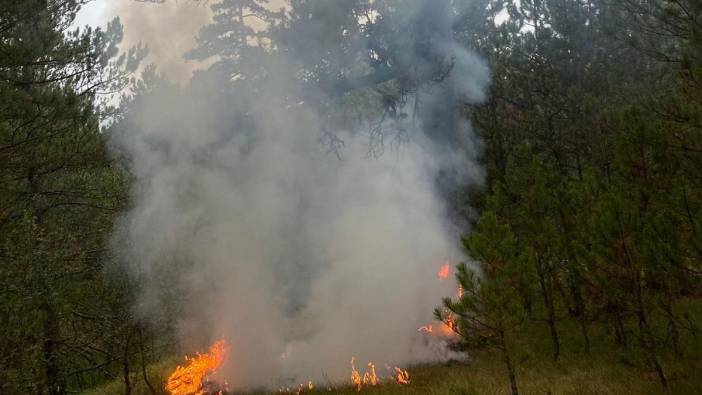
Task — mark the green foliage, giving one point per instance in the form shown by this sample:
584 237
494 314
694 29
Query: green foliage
489 305
588 232
59 196
594 168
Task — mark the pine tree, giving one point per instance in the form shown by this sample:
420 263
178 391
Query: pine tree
488 310
59 192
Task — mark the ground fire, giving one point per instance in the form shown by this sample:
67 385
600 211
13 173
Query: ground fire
402 376
368 379
193 379
371 379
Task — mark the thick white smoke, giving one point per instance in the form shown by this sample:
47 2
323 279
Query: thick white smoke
299 258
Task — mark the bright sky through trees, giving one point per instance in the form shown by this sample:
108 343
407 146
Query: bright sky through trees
168 29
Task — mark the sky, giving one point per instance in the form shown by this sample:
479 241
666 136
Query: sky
168 29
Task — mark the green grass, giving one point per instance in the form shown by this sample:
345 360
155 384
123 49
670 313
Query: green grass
600 373
486 376
606 370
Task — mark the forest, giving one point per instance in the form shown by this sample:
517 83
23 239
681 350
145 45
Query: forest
560 153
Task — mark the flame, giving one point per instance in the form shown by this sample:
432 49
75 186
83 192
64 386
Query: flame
449 327
450 324
369 378
444 271
402 376
189 380
300 389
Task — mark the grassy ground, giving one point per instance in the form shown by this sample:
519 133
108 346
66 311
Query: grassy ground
487 376
605 370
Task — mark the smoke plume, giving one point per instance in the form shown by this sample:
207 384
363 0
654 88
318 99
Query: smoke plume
168 29
299 257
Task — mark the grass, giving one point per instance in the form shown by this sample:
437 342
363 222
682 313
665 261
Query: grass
487 376
602 372
606 370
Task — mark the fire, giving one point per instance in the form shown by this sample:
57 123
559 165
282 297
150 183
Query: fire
444 329
189 380
449 327
450 324
444 271
192 379
300 389
369 378
402 376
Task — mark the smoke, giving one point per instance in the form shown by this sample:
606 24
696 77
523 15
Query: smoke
168 29
299 257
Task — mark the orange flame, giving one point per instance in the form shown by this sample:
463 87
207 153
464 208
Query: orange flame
450 326
189 380
300 389
369 378
402 376
444 271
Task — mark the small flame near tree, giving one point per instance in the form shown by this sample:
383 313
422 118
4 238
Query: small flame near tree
444 271
449 327
451 323
192 378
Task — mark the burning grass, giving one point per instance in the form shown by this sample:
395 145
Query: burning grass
192 377
601 372
599 375
195 376
604 371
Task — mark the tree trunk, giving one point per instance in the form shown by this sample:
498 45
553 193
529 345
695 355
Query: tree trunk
550 310
582 320
508 362
646 337
646 344
52 367
620 331
580 308
125 364
554 335
673 331
152 390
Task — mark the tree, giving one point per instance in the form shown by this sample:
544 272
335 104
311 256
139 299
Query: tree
59 192
592 148
488 310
